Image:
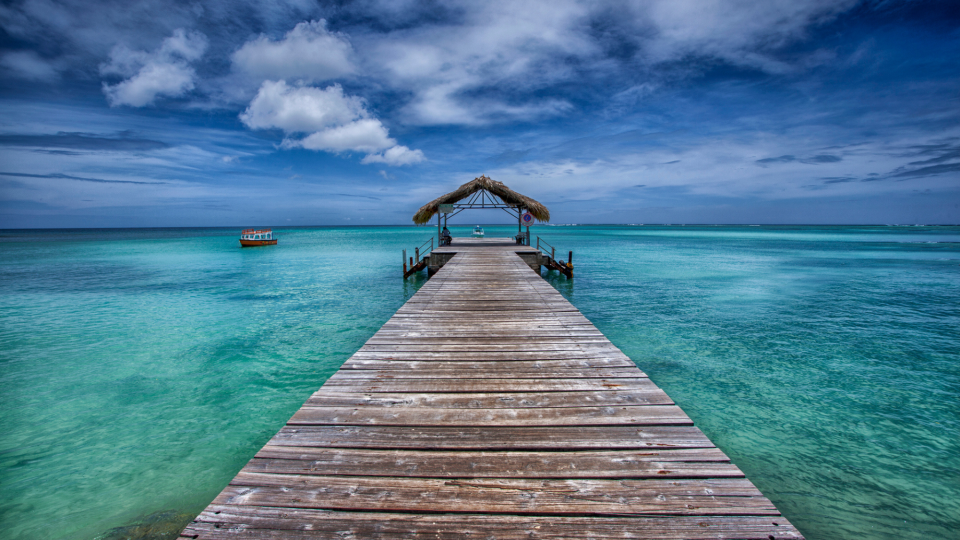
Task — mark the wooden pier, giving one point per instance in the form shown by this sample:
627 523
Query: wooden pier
489 407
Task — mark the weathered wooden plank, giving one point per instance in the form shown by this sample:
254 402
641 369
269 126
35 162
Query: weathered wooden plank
465 346
598 460
487 355
509 307
496 316
651 395
494 438
483 340
708 463
481 385
553 416
454 467
581 497
465 315
474 299
220 522
508 365
483 325
486 373
509 331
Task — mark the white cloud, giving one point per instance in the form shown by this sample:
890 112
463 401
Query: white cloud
190 46
506 47
165 72
308 52
484 63
365 135
29 65
153 80
85 31
444 54
743 33
397 155
335 122
728 169
301 109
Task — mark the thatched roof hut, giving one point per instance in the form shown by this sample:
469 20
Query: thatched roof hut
505 194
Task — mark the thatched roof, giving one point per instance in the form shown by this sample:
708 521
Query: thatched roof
506 194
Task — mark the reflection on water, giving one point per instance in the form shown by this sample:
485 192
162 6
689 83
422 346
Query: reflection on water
561 282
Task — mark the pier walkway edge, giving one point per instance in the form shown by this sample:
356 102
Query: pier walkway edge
488 406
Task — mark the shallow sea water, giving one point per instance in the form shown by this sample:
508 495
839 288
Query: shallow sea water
141 369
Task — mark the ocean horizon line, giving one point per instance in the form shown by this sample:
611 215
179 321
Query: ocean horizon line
280 227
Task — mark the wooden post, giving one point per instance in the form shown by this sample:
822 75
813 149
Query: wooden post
404 263
553 253
417 252
439 232
411 263
570 259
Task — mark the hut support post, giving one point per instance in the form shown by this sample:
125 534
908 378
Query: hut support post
439 232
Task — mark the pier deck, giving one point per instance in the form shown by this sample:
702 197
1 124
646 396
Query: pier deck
489 407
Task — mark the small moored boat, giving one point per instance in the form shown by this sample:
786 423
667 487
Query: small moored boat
257 237
478 232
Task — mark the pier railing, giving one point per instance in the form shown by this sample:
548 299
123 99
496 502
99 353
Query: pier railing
418 261
550 253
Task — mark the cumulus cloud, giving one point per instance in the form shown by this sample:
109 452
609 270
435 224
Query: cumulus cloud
164 72
309 52
334 122
301 109
397 155
365 135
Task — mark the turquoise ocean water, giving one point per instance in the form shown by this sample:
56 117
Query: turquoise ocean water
141 369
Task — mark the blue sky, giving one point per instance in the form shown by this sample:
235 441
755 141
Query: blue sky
242 113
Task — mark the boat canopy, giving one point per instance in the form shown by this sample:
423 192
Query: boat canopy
257 234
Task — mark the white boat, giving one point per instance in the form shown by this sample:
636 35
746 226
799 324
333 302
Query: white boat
478 232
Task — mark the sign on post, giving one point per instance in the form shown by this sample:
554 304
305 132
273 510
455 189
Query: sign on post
527 219
445 208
